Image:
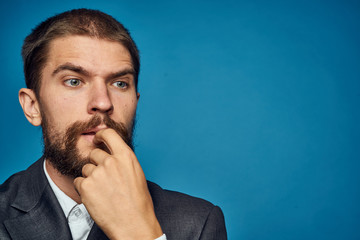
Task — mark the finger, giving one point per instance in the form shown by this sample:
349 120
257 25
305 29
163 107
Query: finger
77 184
88 169
97 156
111 139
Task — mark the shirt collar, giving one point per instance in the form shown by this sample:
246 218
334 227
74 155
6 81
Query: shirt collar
65 201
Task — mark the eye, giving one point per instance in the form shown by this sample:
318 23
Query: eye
73 82
120 84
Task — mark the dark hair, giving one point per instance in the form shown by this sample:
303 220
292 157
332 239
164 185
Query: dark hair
86 22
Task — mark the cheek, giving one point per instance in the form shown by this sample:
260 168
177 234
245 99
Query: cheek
131 107
126 110
60 107
60 112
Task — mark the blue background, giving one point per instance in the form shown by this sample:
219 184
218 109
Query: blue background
253 105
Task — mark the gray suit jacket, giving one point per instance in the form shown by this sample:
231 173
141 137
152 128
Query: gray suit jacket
30 210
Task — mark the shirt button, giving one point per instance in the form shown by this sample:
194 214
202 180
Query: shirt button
77 212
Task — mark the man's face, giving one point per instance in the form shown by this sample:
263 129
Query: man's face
84 81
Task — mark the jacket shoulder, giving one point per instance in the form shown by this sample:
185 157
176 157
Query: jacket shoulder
182 216
177 200
20 185
8 192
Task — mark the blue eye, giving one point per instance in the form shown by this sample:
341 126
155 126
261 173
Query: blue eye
120 84
73 82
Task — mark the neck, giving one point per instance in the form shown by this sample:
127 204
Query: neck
65 183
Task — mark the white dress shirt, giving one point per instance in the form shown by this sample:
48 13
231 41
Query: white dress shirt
79 220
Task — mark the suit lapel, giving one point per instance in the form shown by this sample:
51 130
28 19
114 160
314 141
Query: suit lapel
97 234
41 216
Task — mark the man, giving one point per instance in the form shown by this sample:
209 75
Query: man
81 69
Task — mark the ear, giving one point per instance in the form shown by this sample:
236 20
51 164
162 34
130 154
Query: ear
138 95
30 106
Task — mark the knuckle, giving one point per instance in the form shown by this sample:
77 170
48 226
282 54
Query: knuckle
83 170
86 168
96 173
108 161
84 185
127 158
79 185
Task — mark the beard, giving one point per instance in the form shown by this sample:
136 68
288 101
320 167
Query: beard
61 149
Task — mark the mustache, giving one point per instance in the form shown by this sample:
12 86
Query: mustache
74 131
61 149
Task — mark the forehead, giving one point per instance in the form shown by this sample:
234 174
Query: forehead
98 55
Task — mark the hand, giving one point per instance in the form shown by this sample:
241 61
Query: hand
115 193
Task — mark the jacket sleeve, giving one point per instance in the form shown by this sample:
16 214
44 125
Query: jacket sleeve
214 227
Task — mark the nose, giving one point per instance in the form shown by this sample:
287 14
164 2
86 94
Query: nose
99 99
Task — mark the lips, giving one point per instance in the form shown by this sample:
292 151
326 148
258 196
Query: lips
93 131
89 133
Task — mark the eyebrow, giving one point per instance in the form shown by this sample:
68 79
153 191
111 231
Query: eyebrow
78 69
121 73
71 67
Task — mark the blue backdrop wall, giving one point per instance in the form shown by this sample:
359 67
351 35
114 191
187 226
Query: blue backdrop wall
253 105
